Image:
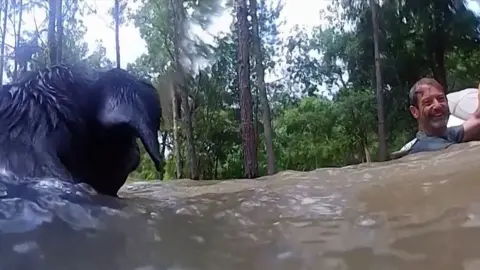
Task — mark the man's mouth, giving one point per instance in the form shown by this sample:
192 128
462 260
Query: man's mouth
439 114
439 117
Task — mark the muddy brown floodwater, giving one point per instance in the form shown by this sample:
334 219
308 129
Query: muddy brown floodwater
418 212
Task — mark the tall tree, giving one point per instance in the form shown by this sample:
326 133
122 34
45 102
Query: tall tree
156 21
247 128
59 25
52 36
116 15
4 34
176 127
179 24
260 81
382 136
18 37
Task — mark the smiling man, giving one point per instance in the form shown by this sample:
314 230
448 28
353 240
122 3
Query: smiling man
429 105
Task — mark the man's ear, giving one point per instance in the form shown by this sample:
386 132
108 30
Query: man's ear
414 111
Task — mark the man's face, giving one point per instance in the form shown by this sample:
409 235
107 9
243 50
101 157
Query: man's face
432 111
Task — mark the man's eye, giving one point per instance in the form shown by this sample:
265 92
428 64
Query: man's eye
427 103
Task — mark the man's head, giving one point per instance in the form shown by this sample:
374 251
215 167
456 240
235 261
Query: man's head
429 105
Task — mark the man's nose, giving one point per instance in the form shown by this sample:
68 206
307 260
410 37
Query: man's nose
436 104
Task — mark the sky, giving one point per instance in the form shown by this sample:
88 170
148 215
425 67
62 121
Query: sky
295 12
301 12
99 27
474 5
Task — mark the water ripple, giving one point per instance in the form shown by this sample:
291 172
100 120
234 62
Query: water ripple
30 203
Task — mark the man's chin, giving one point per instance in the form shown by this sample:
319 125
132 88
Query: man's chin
439 123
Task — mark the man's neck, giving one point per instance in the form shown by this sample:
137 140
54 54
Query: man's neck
431 132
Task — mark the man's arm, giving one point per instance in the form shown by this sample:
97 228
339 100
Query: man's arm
471 127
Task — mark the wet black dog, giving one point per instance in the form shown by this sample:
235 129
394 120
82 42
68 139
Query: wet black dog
78 125
61 127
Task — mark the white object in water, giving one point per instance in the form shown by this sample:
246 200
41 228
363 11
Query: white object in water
462 104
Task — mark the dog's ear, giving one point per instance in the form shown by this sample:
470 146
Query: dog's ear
126 101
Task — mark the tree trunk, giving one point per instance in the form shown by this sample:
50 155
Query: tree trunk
179 32
4 34
52 44
368 159
439 72
176 135
175 99
17 38
59 32
117 30
162 151
378 78
164 143
248 133
260 70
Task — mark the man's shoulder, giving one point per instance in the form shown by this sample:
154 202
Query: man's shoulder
455 133
423 143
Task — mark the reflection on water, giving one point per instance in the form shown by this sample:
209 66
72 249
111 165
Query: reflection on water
421 212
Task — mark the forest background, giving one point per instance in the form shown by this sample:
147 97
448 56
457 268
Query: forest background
259 98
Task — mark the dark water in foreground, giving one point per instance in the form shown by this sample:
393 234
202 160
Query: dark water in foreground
417 213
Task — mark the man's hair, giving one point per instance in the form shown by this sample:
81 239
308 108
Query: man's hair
423 81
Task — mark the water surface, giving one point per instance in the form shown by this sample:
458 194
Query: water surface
419 212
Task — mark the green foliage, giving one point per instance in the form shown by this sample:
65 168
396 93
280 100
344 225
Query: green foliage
304 135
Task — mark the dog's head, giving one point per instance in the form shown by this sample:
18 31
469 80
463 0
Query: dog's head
123 108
